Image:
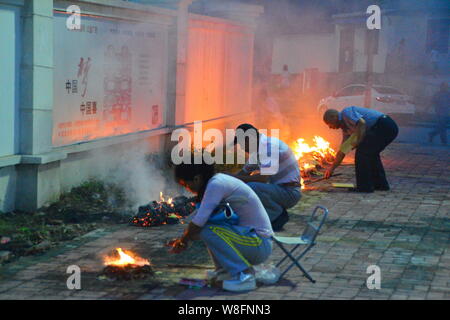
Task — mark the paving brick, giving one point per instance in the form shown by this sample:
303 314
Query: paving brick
404 232
6 285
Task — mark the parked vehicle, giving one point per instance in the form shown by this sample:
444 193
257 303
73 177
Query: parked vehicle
387 100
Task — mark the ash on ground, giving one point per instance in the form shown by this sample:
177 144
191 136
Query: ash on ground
126 272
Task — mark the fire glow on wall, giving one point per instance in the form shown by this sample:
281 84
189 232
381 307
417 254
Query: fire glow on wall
219 69
109 80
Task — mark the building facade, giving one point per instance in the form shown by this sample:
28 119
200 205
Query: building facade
122 80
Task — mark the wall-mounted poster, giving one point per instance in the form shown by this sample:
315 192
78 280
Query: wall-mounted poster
109 78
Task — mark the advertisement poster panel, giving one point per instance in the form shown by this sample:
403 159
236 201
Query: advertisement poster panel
109 80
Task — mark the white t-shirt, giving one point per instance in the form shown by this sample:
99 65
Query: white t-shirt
242 199
276 159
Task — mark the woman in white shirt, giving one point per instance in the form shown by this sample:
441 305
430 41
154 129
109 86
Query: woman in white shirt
234 248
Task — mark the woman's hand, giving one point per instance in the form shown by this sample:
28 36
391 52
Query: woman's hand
177 245
191 233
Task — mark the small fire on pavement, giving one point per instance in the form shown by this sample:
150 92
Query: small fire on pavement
125 258
125 265
312 158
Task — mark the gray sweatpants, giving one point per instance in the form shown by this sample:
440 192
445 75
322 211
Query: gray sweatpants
275 198
235 248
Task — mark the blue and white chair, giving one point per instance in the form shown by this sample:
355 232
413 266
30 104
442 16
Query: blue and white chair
307 240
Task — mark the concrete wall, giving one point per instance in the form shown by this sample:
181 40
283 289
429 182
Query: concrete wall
321 51
102 162
413 29
8 187
33 171
10 54
360 56
219 69
379 59
9 77
305 51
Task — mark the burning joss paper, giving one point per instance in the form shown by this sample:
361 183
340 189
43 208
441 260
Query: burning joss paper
125 265
123 258
164 211
311 158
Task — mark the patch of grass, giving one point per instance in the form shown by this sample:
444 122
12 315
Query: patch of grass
91 205
89 202
28 230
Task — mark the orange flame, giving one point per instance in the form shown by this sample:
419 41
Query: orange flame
320 151
169 200
308 156
125 258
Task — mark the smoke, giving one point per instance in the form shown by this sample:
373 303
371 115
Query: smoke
288 43
321 47
141 175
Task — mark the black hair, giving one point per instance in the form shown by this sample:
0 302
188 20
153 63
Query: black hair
245 127
187 172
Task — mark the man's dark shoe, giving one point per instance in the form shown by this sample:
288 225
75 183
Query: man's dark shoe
385 188
280 221
359 190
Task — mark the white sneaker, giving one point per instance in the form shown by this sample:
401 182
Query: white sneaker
267 274
242 282
217 275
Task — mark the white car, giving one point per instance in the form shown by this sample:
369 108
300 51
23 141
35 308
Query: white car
385 99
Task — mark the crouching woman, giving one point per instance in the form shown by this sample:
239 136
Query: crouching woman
234 248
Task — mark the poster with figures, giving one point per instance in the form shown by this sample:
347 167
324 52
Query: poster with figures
109 80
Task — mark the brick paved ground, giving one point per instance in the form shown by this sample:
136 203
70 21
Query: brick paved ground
405 232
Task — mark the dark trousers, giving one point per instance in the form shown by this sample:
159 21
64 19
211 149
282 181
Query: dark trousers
369 169
440 129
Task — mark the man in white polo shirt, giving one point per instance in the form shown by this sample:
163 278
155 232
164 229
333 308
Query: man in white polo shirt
271 171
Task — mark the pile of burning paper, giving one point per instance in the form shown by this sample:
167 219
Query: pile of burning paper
312 158
164 211
125 265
